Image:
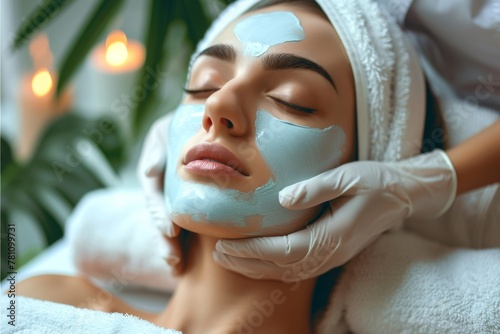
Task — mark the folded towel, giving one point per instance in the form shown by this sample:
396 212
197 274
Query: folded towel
406 284
111 234
39 316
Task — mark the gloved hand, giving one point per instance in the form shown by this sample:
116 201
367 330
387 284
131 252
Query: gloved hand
365 199
151 173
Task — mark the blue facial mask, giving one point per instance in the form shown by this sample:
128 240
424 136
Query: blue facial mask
292 152
259 32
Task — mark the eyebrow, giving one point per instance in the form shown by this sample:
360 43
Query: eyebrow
271 61
221 51
283 61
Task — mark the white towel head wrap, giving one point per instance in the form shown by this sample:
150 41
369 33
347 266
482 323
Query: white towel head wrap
390 93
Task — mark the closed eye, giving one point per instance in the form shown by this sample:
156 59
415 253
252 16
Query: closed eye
293 106
198 92
201 93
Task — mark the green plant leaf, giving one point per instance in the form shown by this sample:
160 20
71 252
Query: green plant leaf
193 14
161 15
6 153
227 2
40 16
4 243
9 167
89 34
51 227
51 183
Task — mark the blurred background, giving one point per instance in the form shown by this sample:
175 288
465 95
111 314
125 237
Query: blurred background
81 82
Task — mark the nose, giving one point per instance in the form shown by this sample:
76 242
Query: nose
225 112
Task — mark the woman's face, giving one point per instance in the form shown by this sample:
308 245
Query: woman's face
268 104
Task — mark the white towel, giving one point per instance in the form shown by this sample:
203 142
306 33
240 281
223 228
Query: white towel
111 233
406 284
43 317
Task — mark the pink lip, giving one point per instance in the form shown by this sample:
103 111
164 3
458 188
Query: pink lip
207 158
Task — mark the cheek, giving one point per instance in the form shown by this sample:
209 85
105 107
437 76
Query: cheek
185 124
295 153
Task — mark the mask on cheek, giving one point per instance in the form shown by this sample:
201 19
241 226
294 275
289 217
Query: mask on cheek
292 152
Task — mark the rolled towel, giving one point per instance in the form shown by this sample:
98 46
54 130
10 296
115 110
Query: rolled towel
111 234
44 317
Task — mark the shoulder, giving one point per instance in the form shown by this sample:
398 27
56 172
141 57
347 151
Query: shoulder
70 290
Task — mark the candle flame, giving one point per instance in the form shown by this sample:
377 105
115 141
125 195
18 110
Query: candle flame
116 48
41 82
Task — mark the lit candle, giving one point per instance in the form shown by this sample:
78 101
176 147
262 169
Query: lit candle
118 55
36 98
42 82
109 74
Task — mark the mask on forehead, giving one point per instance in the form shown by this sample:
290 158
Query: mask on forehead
259 32
292 152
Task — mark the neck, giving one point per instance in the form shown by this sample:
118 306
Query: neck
211 299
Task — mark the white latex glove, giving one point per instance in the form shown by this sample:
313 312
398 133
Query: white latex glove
373 197
151 172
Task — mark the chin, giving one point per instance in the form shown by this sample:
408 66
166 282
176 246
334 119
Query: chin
253 226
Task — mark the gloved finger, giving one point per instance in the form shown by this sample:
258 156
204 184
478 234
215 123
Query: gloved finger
154 154
330 235
173 255
157 210
319 189
351 224
366 214
280 250
155 166
251 268
259 269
